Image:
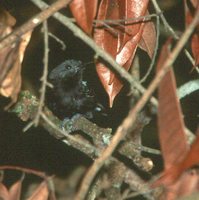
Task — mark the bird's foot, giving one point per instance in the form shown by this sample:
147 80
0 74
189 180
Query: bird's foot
68 123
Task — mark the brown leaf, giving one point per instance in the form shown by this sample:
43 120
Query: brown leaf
41 193
7 56
108 41
171 175
15 190
6 23
187 184
84 12
170 118
133 31
13 193
195 47
6 19
192 157
171 131
148 40
12 59
190 9
121 45
4 194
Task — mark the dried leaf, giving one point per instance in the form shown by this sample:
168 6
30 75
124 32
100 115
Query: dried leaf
15 190
41 193
11 58
172 135
4 194
190 8
13 193
195 47
148 41
11 84
6 19
170 122
6 54
133 31
192 157
121 45
84 12
187 184
108 41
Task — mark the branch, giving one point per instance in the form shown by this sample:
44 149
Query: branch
27 107
188 88
128 122
44 76
26 170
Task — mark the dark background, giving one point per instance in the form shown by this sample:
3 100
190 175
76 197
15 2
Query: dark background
36 148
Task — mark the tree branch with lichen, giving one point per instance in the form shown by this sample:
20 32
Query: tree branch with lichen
26 109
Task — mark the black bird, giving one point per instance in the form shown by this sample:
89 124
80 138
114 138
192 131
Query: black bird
71 95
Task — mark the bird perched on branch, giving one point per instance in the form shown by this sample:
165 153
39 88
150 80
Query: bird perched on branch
71 94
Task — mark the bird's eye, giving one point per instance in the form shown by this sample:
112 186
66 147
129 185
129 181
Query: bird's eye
68 67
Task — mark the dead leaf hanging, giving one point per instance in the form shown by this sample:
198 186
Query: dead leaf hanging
84 12
41 193
170 122
120 40
11 58
175 149
190 9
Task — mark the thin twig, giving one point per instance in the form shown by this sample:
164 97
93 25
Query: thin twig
61 42
45 74
45 83
127 125
135 194
26 170
128 20
170 29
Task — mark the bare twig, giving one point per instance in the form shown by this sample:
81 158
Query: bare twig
45 74
45 83
63 46
170 29
127 125
127 20
26 170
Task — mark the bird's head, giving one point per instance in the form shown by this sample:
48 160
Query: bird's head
66 70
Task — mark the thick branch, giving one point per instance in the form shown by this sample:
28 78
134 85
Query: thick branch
26 108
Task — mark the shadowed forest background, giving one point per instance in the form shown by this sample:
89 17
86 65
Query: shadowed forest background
37 149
